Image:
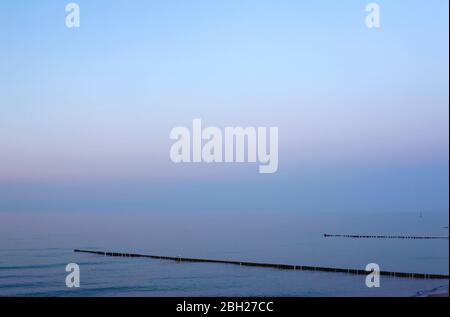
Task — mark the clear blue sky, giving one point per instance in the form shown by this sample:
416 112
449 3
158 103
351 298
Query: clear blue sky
85 114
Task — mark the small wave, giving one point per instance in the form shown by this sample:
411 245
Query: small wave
440 290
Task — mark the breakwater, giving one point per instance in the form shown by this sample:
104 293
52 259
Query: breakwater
357 236
270 265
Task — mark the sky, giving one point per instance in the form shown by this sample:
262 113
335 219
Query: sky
85 114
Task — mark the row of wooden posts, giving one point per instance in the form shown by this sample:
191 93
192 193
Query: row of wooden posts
356 236
270 265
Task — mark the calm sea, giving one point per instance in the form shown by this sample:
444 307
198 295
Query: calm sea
35 249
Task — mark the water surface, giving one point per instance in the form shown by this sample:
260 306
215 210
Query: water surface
35 248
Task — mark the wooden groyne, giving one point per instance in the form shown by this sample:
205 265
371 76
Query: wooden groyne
269 265
357 236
